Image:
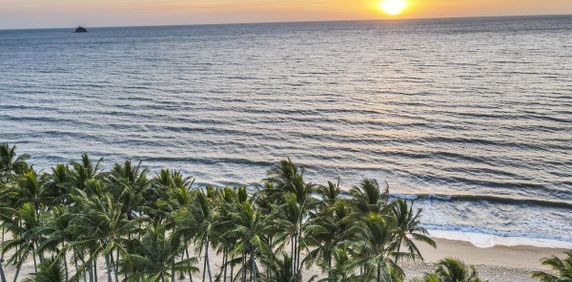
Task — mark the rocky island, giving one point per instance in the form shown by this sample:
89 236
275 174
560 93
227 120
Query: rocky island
80 29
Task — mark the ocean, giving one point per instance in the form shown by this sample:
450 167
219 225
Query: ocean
471 118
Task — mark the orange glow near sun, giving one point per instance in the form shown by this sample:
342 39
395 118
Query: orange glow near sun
393 7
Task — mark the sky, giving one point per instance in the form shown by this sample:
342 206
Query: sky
69 13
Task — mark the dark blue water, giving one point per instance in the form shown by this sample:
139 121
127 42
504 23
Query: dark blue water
475 111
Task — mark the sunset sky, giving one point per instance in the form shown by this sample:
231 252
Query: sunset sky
66 13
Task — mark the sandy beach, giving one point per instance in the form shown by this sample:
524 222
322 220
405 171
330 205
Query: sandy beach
497 264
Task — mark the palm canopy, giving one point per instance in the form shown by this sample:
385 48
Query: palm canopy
154 256
327 231
408 228
84 171
375 244
368 197
250 228
32 190
24 241
12 163
51 270
561 269
453 270
152 229
128 184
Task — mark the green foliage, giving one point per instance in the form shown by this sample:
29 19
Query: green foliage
561 269
51 270
157 228
453 270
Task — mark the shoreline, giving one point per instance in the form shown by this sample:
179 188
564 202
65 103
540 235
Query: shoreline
484 241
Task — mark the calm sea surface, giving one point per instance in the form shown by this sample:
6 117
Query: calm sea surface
473 116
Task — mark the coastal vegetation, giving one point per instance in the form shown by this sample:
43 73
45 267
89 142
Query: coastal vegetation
157 228
76 217
561 269
452 270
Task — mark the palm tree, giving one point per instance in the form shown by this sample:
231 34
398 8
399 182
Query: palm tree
58 185
8 198
227 200
409 229
280 270
154 256
102 228
84 171
342 268
328 195
367 197
289 192
25 238
51 270
282 178
55 234
168 191
374 246
12 163
326 232
127 184
31 190
197 221
250 227
453 270
561 269
289 226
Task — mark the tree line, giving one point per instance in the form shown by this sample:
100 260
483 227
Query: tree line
76 217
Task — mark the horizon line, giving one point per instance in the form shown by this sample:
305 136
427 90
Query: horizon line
300 21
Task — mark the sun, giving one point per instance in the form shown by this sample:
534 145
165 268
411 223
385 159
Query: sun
392 7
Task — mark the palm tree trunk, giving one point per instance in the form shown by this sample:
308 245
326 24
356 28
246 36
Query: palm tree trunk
231 269
77 267
253 266
75 263
190 271
95 278
114 265
17 272
65 262
206 263
251 272
2 275
207 259
173 271
108 265
205 266
293 255
244 267
90 272
117 260
224 262
378 272
298 255
35 263
40 254
330 274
